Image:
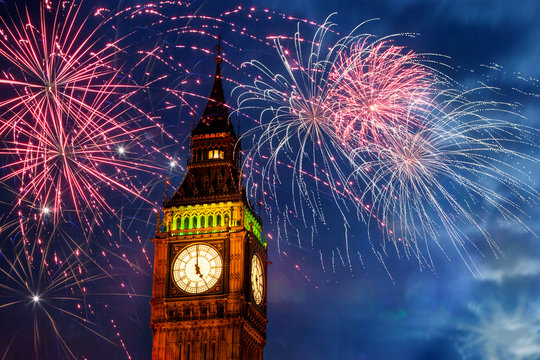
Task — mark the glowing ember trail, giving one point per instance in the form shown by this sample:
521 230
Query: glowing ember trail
385 133
67 123
377 87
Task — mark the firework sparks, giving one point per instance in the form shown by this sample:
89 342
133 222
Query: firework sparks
376 86
65 117
424 184
296 123
386 134
53 290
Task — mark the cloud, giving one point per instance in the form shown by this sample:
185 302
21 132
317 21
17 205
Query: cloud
494 333
524 267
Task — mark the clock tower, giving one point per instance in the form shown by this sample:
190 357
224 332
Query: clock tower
209 284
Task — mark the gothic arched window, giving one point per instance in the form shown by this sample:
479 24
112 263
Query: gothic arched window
219 180
216 154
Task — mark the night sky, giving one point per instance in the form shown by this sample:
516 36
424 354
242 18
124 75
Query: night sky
448 314
320 304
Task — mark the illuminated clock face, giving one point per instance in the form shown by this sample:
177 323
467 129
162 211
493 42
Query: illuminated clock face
257 280
197 268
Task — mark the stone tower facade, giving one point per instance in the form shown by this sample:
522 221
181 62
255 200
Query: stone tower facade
209 284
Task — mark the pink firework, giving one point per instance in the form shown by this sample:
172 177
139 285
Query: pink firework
63 124
379 87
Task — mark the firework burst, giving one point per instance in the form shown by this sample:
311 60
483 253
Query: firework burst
376 86
68 126
55 291
428 184
296 124
388 135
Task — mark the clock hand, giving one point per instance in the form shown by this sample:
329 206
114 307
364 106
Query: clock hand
204 281
197 269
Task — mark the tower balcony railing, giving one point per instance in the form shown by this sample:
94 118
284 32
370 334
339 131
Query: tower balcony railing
197 231
170 314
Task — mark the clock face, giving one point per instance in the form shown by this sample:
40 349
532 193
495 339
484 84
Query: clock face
257 280
197 268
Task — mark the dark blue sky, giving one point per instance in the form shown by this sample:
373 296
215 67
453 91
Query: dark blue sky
326 309
422 315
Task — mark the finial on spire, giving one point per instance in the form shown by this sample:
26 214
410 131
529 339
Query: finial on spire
218 50
165 198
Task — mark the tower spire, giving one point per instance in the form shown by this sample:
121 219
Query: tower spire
210 259
215 117
218 49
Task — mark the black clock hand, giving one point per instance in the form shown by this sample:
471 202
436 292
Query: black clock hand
197 269
204 282
200 275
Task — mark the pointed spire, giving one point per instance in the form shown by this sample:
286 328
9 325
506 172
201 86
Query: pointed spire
167 183
215 117
218 48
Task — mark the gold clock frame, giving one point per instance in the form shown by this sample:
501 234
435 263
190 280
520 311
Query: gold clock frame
215 280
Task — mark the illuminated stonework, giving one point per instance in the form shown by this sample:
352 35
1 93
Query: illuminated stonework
210 218
210 259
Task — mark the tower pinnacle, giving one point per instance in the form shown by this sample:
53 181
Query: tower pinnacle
215 117
218 50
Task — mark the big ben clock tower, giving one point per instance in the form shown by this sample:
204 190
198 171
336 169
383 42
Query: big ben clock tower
209 284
